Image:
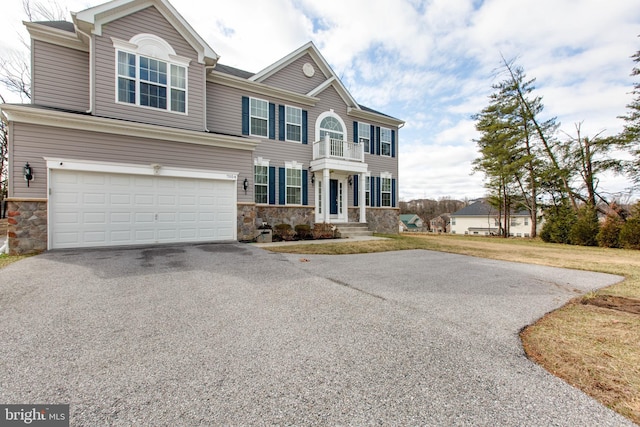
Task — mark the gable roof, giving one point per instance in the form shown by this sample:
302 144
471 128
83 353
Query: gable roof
90 21
482 208
59 25
331 77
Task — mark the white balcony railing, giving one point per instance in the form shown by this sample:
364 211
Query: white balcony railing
338 149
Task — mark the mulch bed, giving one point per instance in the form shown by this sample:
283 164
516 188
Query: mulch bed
628 305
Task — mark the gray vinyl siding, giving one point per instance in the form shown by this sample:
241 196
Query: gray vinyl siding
224 109
36 142
224 115
60 76
292 78
151 21
329 99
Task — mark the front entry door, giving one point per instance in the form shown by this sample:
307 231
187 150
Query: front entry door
333 197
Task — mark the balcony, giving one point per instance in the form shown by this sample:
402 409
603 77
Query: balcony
337 149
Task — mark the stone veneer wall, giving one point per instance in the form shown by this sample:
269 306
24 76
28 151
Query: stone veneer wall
379 220
27 226
246 221
249 214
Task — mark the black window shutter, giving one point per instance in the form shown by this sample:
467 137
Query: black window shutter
355 190
305 188
283 187
272 121
272 185
305 127
281 122
393 193
245 115
372 140
393 143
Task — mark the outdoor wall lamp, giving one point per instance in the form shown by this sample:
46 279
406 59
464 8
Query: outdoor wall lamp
28 173
245 185
313 176
350 179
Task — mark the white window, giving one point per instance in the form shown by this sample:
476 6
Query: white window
294 186
331 126
293 124
453 221
157 82
367 191
261 183
385 141
385 191
364 135
514 222
259 117
526 221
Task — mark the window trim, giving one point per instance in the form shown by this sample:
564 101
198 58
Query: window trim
287 123
153 48
384 143
266 119
367 147
333 114
294 166
385 178
259 162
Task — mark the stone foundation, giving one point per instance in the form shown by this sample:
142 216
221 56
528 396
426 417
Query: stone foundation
246 221
379 220
293 216
27 226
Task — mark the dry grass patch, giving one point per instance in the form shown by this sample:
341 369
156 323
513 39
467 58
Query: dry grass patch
596 349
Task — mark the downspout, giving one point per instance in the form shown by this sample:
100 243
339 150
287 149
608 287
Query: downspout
92 69
204 110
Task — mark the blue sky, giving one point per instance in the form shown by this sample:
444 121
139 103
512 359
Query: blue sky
432 63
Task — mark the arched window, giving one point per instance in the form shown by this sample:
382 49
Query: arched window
329 123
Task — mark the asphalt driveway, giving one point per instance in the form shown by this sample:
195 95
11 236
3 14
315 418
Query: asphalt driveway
230 334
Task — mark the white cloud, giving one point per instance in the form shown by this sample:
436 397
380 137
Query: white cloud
432 63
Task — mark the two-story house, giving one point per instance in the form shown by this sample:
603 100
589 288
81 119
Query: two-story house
136 134
480 218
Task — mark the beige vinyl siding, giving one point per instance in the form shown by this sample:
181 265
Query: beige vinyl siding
224 109
36 142
148 20
60 77
292 78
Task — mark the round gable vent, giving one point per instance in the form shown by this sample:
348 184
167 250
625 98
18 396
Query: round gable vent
308 70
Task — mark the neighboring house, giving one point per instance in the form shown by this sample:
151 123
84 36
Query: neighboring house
137 135
480 218
441 224
411 222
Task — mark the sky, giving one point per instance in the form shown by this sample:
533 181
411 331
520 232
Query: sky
430 63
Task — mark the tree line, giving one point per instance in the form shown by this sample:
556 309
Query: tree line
529 164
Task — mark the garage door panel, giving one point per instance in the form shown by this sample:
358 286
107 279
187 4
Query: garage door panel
100 209
94 218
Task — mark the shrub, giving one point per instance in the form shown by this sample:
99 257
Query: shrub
322 231
609 234
584 230
283 232
558 222
303 231
630 233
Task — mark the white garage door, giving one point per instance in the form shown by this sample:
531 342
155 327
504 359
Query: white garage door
90 209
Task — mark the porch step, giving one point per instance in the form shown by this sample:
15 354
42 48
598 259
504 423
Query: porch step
353 229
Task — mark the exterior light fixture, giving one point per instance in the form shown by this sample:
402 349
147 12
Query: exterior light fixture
28 173
350 179
245 185
313 176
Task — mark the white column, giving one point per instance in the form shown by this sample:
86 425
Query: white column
325 195
362 186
